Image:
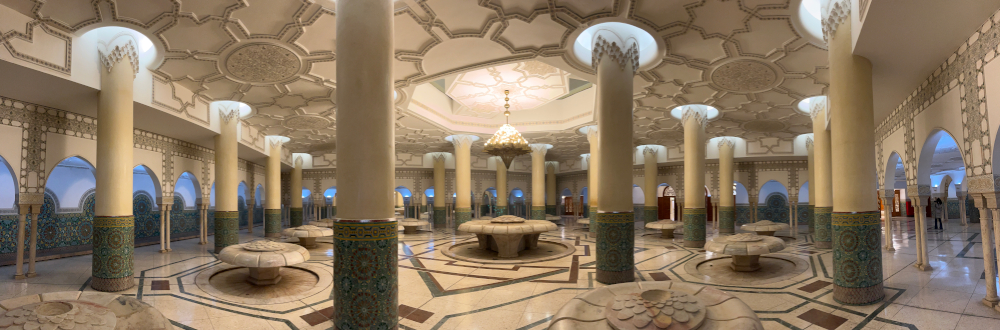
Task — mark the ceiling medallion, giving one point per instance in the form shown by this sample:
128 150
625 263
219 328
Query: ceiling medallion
307 122
507 142
764 126
263 63
744 76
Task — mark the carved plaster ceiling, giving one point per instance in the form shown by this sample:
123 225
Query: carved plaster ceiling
743 57
530 84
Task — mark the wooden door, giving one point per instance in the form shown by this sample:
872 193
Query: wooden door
568 206
663 207
927 210
709 209
580 209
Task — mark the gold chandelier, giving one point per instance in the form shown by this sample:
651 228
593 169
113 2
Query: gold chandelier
507 142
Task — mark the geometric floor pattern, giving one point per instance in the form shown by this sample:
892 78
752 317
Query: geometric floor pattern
438 292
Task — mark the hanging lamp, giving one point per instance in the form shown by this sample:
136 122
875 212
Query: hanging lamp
507 142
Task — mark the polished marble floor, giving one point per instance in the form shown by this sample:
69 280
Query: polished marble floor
436 292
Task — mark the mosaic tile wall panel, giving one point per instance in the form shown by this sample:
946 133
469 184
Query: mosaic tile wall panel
183 223
147 219
241 206
953 211
742 214
58 230
775 208
258 215
805 213
640 211
971 212
8 233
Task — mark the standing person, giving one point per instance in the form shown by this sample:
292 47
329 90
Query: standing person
937 209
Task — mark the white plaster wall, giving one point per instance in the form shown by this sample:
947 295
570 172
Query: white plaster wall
59 147
944 114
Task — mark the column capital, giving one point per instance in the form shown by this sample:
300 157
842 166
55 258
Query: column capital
920 190
835 12
439 156
817 106
590 132
539 149
298 159
649 149
809 144
462 141
277 141
585 157
623 49
553 164
727 142
116 50
695 112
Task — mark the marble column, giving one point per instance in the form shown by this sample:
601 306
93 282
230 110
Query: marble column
463 176
593 169
366 230
250 212
202 220
649 183
29 209
114 235
501 186
36 212
887 214
989 255
550 187
810 145
163 227
615 59
538 180
694 119
22 215
170 207
961 195
727 201
823 174
920 221
855 223
272 187
295 210
440 193
591 178
227 213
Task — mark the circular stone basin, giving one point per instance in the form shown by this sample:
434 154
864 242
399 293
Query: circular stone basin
80 311
655 306
507 239
746 249
322 223
410 225
765 227
666 227
773 268
307 234
471 252
264 259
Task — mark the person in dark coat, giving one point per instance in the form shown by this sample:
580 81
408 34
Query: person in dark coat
936 209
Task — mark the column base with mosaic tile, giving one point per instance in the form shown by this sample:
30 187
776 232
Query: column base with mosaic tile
727 219
615 246
440 217
550 209
365 285
857 257
294 217
227 229
821 220
114 245
500 210
593 218
650 214
537 213
272 223
694 227
463 215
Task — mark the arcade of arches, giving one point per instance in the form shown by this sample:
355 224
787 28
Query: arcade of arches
293 164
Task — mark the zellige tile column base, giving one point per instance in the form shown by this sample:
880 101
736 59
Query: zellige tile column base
550 209
857 258
727 219
821 218
463 215
593 219
294 217
694 227
365 274
440 217
114 244
227 229
811 221
500 210
537 213
650 214
272 223
615 246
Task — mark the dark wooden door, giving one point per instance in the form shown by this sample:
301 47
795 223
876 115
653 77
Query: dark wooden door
663 207
896 210
709 209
